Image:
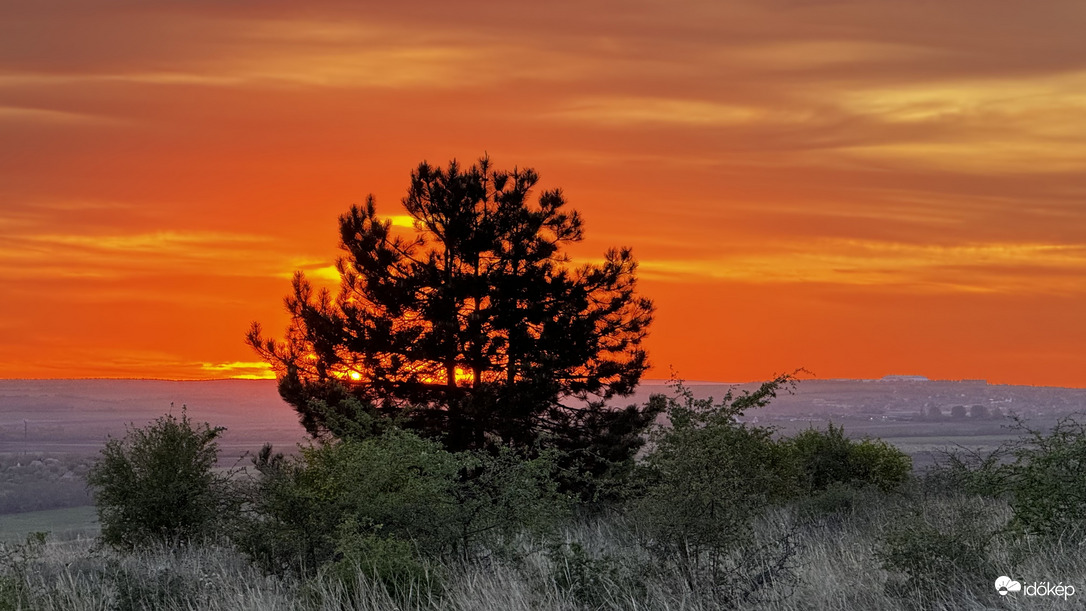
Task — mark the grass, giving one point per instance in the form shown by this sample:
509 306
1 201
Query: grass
835 567
63 523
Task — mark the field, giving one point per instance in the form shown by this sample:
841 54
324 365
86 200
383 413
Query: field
50 434
835 569
50 431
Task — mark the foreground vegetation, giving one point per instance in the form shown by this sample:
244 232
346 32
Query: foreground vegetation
714 514
835 566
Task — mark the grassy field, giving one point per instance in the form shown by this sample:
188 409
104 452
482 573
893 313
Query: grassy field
835 567
65 523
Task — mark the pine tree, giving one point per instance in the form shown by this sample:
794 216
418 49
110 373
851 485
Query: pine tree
477 330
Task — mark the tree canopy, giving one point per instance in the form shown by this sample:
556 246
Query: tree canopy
476 329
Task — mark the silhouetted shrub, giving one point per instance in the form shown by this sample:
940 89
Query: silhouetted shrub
158 484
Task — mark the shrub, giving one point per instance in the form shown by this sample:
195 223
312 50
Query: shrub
1048 481
940 550
394 487
963 470
828 458
593 580
707 476
157 483
15 568
396 484
876 463
387 561
500 494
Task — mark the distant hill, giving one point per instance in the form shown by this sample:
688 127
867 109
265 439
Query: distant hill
78 415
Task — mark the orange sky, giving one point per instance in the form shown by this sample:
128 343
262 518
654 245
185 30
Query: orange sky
857 188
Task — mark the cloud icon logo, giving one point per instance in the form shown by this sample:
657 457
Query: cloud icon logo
1005 584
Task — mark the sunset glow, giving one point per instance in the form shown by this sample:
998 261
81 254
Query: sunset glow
858 189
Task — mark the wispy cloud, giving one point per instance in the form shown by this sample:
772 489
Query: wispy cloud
253 370
992 267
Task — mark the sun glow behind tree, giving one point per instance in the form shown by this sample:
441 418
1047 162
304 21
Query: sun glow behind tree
477 329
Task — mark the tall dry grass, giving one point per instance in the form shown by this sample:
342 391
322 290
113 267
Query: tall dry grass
599 564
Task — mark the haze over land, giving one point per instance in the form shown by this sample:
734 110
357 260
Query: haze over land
854 188
76 416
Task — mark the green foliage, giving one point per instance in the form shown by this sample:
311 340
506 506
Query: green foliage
476 330
963 470
1048 481
875 462
383 560
501 494
826 458
940 550
15 567
1042 476
592 580
148 588
158 484
391 489
707 476
396 484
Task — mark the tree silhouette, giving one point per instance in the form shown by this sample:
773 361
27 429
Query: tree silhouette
475 330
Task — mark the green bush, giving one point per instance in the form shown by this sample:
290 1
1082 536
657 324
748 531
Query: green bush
396 484
962 470
394 487
158 484
940 550
16 560
1047 481
827 458
500 494
390 562
143 588
706 477
593 580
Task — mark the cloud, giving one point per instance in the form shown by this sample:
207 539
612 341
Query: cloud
13 114
37 256
240 370
986 268
625 111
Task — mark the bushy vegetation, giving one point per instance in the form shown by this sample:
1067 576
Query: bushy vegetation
36 481
715 513
395 495
704 479
158 484
828 458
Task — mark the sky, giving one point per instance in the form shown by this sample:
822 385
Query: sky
855 188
